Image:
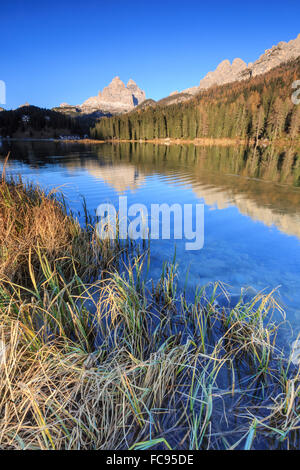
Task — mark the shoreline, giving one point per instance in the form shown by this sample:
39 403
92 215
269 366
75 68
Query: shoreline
203 142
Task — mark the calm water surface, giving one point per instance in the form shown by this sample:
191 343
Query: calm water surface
252 204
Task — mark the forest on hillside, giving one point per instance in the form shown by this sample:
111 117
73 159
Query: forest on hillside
28 120
260 107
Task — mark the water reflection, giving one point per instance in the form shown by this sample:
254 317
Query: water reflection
221 176
252 202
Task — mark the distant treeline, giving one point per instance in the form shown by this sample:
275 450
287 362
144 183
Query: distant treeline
32 119
260 107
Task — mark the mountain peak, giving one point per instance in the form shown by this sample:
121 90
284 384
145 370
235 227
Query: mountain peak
131 83
116 80
238 63
224 65
116 97
239 70
116 83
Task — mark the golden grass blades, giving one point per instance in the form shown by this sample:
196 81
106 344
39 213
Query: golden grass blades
93 355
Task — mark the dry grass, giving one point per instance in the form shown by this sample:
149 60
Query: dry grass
35 225
120 363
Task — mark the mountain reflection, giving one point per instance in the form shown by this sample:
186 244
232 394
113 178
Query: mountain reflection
263 183
222 177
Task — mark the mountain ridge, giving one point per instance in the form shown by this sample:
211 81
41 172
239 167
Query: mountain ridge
258 109
118 98
114 98
239 70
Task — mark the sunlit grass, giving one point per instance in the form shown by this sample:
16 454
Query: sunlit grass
116 361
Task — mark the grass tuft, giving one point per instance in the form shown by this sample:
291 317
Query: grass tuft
93 356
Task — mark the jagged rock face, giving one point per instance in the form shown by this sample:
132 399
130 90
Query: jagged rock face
116 92
239 70
116 97
283 52
138 95
224 73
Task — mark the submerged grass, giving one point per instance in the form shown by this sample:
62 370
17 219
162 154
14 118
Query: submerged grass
112 361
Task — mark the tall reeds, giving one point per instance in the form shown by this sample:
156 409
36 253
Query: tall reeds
93 356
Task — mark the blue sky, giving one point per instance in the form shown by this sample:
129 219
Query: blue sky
55 51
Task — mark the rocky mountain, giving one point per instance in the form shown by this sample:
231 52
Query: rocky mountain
115 98
138 95
239 70
119 98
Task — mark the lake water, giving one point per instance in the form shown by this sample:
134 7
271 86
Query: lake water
252 204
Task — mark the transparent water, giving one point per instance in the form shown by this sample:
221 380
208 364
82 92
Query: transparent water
252 204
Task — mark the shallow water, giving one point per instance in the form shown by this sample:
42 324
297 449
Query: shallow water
252 204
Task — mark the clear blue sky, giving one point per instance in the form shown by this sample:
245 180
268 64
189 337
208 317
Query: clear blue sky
55 51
